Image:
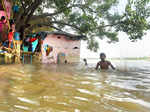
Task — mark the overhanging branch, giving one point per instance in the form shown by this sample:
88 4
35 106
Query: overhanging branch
46 15
66 24
83 6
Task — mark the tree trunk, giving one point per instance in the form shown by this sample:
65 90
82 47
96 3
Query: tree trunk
23 17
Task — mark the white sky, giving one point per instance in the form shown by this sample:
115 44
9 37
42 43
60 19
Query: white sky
123 48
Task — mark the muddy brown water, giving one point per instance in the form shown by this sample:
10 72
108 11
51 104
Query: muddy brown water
74 88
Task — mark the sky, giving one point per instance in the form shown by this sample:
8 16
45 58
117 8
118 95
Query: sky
123 48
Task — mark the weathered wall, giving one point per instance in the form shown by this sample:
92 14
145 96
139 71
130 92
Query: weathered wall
61 45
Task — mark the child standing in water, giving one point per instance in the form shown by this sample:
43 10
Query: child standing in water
104 64
10 37
85 61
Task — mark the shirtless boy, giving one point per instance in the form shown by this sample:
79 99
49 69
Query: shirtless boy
104 64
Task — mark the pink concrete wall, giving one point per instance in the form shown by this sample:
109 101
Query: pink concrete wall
61 45
8 9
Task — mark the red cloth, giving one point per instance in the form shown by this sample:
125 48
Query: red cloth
32 39
10 36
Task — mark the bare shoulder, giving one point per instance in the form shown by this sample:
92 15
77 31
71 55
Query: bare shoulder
108 62
98 62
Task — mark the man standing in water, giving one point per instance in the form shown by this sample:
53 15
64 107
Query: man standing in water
104 65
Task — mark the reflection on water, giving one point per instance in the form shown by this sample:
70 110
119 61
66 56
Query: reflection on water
47 88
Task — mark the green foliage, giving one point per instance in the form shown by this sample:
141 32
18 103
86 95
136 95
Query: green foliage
92 44
135 21
91 18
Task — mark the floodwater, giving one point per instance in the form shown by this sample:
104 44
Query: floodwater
75 88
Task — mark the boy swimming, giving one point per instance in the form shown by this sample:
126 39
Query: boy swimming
104 64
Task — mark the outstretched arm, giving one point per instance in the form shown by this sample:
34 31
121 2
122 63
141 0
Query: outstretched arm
97 66
112 66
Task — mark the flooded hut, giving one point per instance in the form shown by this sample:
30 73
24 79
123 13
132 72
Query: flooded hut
60 47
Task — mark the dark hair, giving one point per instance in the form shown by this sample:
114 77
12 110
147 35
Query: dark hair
66 61
10 30
11 21
102 54
84 59
3 18
38 35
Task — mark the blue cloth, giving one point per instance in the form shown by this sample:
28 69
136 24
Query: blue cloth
17 36
6 43
25 48
62 54
16 8
34 45
33 35
3 51
42 35
45 47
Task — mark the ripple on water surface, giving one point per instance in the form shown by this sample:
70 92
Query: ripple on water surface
40 88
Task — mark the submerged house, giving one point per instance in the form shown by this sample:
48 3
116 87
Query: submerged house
59 47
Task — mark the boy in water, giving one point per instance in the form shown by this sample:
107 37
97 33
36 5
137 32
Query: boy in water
10 37
85 61
104 65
